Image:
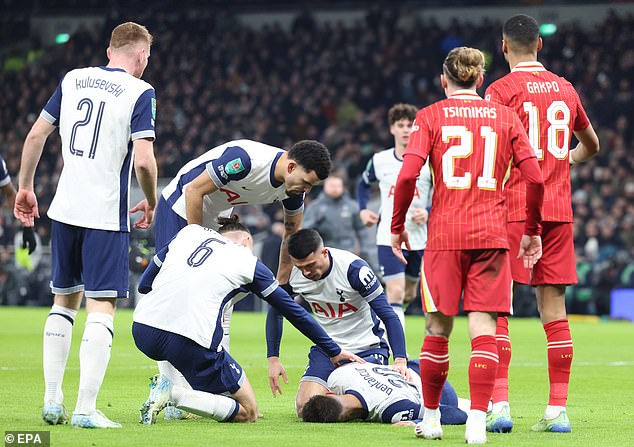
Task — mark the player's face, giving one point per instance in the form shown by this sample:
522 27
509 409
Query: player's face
401 130
313 266
299 181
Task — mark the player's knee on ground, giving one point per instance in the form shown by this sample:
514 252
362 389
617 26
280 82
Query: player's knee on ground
247 413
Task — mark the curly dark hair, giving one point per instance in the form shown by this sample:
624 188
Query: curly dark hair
312 156
231 223
399 111
304 242
322 408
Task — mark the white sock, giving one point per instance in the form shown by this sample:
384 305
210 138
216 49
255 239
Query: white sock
204 404
475 431
464 404
58 331
400 313
226 322
552 411
177 379
498 406
94 356
431 415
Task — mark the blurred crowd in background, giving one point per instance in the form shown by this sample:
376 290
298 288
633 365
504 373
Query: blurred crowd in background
217 80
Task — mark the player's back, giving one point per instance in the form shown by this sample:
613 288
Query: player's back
471 144
241 169
550 110
99 111
381 389
202 274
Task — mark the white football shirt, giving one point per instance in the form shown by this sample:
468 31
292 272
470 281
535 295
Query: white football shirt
215 269
384 168
339 307
99 111
383 392
243 171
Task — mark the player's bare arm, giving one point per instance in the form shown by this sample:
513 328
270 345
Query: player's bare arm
25 209
587 147
291 225
276 370
369 217
196 191
146 174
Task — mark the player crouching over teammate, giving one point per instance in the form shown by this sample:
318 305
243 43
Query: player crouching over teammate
195 277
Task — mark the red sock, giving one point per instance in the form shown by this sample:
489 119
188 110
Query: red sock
559 360
434 367
501 387
482 370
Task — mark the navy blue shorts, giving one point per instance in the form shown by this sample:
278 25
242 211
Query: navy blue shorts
392 268
166 224
214 372
319 364
95 261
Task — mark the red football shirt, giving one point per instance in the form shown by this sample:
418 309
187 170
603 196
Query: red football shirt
550 110
471 144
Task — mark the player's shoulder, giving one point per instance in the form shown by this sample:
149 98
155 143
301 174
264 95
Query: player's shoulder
384 156
254 149
342 257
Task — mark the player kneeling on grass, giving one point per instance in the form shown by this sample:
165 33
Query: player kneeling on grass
377 393
188 285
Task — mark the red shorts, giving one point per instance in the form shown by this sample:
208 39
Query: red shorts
557 265
484 276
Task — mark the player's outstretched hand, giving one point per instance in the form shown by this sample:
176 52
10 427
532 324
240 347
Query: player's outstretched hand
369 217
419 216
25 208
275 371
530 250
345 356
400 366
397 242
148 214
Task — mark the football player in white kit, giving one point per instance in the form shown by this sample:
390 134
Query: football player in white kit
106 121
188 284
348 301
376 393
242 172
400 280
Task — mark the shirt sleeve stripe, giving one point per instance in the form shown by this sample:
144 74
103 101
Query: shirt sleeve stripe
274 285
48 117
142 134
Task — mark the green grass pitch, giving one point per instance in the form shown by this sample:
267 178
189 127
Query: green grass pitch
601 404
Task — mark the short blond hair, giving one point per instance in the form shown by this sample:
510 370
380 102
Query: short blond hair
463 65
129 33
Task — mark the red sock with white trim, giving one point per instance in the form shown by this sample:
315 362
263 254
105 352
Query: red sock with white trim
482 371
501 387
434 367
559 360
